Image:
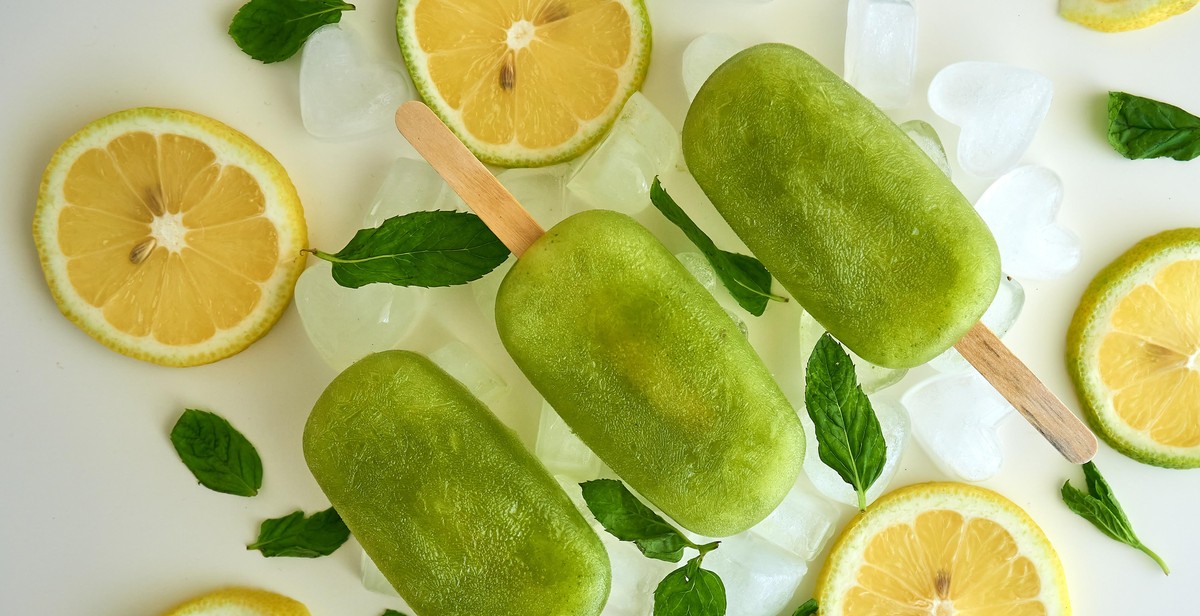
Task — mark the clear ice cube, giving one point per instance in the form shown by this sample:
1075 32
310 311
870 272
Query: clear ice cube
410 185
955 418
1000 317
998 107
1021 209
699 267
927 139
759 577
541 190
893 422
345 325
618 173
702 56
372 577
561 451
484 290
871 378
465 365
881 50
344 92
801 524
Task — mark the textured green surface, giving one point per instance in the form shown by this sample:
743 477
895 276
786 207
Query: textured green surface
458 515
650 372
855 221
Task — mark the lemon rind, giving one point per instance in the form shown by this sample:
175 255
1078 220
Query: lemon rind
1133 15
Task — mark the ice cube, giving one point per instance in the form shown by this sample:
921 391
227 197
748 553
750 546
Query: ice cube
998 107
618 173
372 577
698 266
955 419
344 325
759 577
344 92
411 185
561 451
893 422
739 322
999 318
927 139
1021 209
702 56
881 50
801 524
464 364
484 289
541 190
871 378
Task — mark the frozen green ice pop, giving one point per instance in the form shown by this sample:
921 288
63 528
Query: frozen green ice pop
851 217
457 514
645 366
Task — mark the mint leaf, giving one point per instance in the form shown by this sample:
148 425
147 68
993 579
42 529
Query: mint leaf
690 591
217 454
808 608
747 280
305 537
274 30
1100 507
627 519
421 249
1144 128
849 438
393 613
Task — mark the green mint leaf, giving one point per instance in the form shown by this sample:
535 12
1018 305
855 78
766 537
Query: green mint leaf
421 249
1100 507
305 537
1144 128
393 613
690 591
274 30
747 280
808 608
627 519
217 454
849 438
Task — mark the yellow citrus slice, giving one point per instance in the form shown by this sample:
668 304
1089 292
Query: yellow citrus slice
1121 15
169 236
525 82
943 549
1133 350
240 602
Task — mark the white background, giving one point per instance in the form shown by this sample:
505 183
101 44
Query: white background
99 516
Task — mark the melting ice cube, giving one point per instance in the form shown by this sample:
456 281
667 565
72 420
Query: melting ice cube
999 318
561 451
540 190
465 365
702 56
998 107
484 289
893 422
345 325
871 378
955 419
372 577
927 139
410 186
343 91
618 173
881 50
759 577
1021 209
801 524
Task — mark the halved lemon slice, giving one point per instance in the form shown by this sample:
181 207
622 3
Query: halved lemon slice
169 236
941 549
1121 15
1134 350
240 602
525 82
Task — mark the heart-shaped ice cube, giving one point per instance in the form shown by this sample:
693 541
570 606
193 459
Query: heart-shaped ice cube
343 91
1000 317
998 107
928 140
1021 209
955 419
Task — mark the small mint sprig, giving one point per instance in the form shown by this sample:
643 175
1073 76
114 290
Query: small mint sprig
274 30
687 591
301 536
808 608
1100 507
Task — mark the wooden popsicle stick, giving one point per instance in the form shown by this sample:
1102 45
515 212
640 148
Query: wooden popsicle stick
467 176
1036 403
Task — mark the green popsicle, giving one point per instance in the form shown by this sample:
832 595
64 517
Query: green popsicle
855 221
645 366
457 514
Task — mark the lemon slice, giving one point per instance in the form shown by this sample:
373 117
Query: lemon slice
240 602
169 236
942 549
1134 350
525 83
1121 15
